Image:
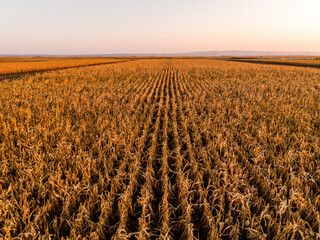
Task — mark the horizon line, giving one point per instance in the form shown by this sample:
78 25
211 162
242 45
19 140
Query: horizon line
187 53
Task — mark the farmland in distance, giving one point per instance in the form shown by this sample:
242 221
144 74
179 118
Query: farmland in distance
13 66
161 149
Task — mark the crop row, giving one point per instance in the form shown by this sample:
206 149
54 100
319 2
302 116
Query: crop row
161 149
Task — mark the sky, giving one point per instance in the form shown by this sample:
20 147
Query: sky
157 26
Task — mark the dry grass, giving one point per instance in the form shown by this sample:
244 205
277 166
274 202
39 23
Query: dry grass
166 149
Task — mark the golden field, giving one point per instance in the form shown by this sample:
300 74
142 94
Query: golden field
10 66
161 149
311 62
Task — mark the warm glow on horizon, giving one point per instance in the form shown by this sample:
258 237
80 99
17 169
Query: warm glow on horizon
101 27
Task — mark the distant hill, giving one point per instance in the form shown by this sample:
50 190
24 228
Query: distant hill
236 53
248 53
224 53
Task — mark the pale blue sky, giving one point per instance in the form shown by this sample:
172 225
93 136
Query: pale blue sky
141 26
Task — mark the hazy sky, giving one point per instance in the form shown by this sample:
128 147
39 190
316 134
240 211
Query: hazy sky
141 26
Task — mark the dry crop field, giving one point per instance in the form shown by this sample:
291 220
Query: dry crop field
161 149
9 66
287 61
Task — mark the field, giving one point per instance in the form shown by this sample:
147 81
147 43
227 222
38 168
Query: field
9 66
161 149
312 62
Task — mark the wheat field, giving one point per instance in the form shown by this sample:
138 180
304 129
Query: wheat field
161 149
